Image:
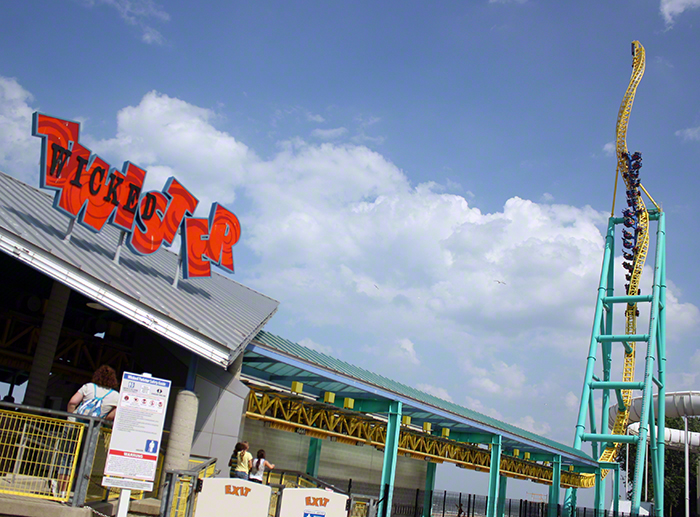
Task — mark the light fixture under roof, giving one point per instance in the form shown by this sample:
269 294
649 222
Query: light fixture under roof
97 306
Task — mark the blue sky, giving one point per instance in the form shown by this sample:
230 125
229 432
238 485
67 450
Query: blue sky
389 161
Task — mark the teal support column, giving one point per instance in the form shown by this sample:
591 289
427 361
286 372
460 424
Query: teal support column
616 491
572 507
502 486
555 488
393 427
494 476
314 457
598 500
429 488
661 344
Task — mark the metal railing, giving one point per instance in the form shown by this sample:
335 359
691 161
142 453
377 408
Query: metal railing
180 487
46 454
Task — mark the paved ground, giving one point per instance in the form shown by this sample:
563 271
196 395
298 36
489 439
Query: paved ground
17 506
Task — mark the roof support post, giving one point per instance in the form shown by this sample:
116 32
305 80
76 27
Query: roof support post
502 486
599 497
314 457
554 489
46 345
494 475
570 502
429 488
391 446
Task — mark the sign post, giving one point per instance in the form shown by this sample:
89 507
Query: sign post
132 456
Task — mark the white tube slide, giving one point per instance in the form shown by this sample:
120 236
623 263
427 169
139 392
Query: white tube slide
678 404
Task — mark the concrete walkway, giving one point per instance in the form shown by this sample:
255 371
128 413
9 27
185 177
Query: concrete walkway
18 506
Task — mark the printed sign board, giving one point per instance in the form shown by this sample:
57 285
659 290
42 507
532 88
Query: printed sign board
312 502
223 497
136 436
93 193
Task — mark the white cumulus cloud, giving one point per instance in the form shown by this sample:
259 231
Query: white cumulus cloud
689 134
435 390
671 9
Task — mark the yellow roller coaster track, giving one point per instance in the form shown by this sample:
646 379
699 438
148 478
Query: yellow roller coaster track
620 425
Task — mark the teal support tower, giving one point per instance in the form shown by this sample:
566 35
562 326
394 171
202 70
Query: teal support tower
615 395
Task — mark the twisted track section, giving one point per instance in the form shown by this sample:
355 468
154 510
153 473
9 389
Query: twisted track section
636 239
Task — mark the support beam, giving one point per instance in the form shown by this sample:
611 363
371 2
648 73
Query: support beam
393 426
554 489
598 498
502 488
494 476
314 457
429 488
46 346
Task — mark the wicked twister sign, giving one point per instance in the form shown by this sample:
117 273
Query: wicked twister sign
94 193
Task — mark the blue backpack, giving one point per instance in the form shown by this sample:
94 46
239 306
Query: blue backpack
93 406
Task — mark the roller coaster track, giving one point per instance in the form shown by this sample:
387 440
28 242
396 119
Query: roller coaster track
635 243
640 247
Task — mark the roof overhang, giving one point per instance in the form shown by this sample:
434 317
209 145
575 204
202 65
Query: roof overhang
100 291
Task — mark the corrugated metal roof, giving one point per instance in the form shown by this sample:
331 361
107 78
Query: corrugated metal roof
217 308
423 401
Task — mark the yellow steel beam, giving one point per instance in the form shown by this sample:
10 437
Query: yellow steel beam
318 420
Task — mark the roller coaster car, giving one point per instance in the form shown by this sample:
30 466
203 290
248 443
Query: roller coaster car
636 166
628 213
627 235
632 193
636 156
629 222
628 277
628 244
637 313
628 256
628 266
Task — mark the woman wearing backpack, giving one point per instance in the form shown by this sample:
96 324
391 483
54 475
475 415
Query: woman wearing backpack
97 398
259 466
101 395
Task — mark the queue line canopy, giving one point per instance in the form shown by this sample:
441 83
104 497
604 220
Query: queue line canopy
213 317
278 361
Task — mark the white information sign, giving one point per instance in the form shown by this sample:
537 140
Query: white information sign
223 497
137 432
312 502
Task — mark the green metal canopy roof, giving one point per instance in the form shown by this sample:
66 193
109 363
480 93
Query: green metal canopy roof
279 361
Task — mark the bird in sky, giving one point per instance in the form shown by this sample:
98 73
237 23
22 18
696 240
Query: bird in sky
500 282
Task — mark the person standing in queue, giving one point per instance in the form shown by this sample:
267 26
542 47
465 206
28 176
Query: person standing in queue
241 461
259 466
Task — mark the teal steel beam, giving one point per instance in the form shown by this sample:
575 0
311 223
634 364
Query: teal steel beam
661 352
494 476
616 385
593 346
591 418
371 406
624 337
471 437
314 457
555 488
628 347
647 395
502 492
429 488
391 446
632 300
598 498
614 438
620 400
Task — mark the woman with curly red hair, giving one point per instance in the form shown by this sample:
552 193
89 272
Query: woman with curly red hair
104 388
